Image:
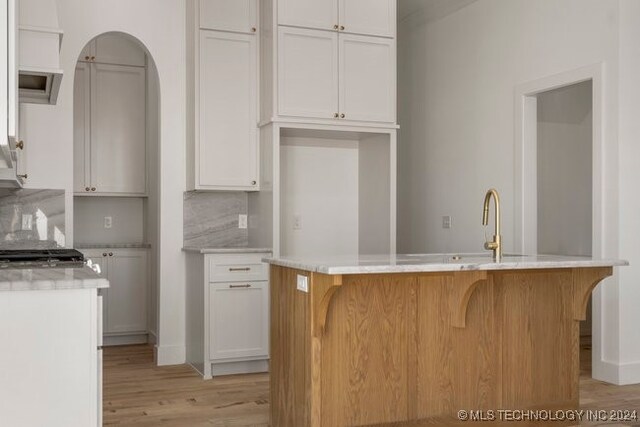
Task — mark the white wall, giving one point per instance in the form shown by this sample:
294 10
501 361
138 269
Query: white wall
565 118
127 215
457 134
624 302
320 183
160 26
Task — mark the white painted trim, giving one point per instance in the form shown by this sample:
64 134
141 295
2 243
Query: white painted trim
170 354
617 373
525 191
153 338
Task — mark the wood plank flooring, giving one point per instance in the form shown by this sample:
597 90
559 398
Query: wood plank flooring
138 393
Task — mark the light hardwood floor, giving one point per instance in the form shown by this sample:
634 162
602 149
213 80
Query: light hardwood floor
138 393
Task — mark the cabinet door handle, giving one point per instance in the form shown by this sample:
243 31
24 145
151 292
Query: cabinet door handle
20 145
247 286
93 58
23 176
104 254
87 189
254 182
335 27
253 29
336 115
240 269
86 58
110 253
341 27
342 116
93 188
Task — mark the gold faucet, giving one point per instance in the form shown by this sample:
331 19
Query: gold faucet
496 244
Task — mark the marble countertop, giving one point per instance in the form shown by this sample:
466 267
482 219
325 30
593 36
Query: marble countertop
114 246
46 279
194 249
415 263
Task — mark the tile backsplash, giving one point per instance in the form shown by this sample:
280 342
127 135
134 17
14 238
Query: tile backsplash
211 219
44 209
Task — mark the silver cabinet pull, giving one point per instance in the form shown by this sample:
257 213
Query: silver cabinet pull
247 286
240 269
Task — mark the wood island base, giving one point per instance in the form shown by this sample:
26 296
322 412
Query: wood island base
392 349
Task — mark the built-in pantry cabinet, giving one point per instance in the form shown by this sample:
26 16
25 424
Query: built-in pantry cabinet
109 126
125 301
114 49
223 95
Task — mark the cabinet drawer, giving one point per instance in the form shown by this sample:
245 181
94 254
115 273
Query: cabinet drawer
238 269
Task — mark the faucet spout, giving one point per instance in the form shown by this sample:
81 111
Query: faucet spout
496 244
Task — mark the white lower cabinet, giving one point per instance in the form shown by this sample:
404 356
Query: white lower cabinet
227 313
50 362
125 302
237 326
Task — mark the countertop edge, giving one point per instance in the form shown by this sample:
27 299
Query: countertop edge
191 249
442 267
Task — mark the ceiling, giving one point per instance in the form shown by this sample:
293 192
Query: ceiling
432 9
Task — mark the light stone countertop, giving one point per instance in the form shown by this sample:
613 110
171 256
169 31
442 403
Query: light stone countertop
417 263
114 246
193 249
46 279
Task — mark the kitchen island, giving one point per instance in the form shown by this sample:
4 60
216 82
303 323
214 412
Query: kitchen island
398 338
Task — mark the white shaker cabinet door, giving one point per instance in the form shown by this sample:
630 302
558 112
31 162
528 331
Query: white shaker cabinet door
118 129
307 73
239 320
320 14
229 15
227 151
127 296
367 78
81 129
370 17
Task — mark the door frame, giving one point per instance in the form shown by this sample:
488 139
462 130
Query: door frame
525 178
525 150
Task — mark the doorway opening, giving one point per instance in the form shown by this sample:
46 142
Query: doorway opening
565 180
558 188
116 181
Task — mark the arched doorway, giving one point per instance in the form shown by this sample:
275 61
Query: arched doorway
116 180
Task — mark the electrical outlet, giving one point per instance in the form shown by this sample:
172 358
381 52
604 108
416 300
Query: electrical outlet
242 221
297 222
108 222
303 283
446 221
27 222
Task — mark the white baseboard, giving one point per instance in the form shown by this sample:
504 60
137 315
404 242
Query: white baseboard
616 373
170 354
235 368
112 340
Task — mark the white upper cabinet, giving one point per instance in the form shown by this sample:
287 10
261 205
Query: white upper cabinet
118 129
109 130
367 66
229 15
369 17
82 129
307 73
227 152
320 14
114 49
